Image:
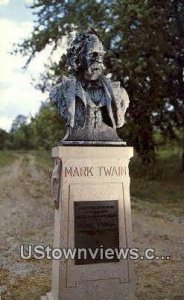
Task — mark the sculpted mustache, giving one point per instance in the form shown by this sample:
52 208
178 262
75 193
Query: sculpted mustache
99 66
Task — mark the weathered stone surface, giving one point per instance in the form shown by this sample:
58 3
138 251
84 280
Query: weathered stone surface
90 175
92 105
55 181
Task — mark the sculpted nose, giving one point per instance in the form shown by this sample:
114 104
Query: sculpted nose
99 59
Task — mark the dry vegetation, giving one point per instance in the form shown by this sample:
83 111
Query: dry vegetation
27 216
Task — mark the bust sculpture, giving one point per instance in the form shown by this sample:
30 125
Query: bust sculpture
92 105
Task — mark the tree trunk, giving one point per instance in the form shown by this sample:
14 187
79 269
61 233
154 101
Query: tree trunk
145 144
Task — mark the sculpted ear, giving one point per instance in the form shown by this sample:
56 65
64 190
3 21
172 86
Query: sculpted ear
77 61
72 63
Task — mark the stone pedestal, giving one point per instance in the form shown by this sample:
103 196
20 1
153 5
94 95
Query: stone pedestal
92 198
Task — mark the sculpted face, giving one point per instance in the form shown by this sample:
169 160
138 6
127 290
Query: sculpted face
93 58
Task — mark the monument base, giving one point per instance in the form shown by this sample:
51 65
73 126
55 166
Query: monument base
92 199
95 143
47 297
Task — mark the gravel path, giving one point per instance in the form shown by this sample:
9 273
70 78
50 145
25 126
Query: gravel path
27 217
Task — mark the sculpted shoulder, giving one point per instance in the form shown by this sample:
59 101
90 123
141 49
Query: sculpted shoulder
61 94
118 91
58 91
120 99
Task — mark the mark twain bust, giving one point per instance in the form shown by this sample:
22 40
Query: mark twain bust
92 105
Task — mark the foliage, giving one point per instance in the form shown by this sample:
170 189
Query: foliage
6 158
144 41
161 182
47 127
19 121
4 139
20 133
42 132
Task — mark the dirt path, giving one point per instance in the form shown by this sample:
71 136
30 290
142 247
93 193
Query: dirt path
27 216
159 279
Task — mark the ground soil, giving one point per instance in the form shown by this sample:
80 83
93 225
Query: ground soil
27 216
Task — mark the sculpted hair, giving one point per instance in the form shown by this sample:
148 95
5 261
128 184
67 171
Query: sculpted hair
76 50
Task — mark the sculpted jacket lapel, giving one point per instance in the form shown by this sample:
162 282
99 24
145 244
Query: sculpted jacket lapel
109 98
79 91
109 95
119 101
72 88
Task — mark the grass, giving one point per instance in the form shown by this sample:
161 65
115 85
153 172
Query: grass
7 157
156 186
29 287
161 182
43 158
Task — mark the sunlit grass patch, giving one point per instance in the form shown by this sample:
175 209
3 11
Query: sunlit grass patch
6 157
160 182
29 288
43 159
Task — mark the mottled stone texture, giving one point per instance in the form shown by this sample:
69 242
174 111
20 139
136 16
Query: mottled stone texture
92 105
91 177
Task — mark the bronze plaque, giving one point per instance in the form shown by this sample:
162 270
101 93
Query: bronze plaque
96 228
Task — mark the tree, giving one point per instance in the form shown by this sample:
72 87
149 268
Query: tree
20 134
43 131
144 39
4 139
47 127
18 122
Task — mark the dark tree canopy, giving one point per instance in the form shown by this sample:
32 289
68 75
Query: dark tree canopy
145 42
